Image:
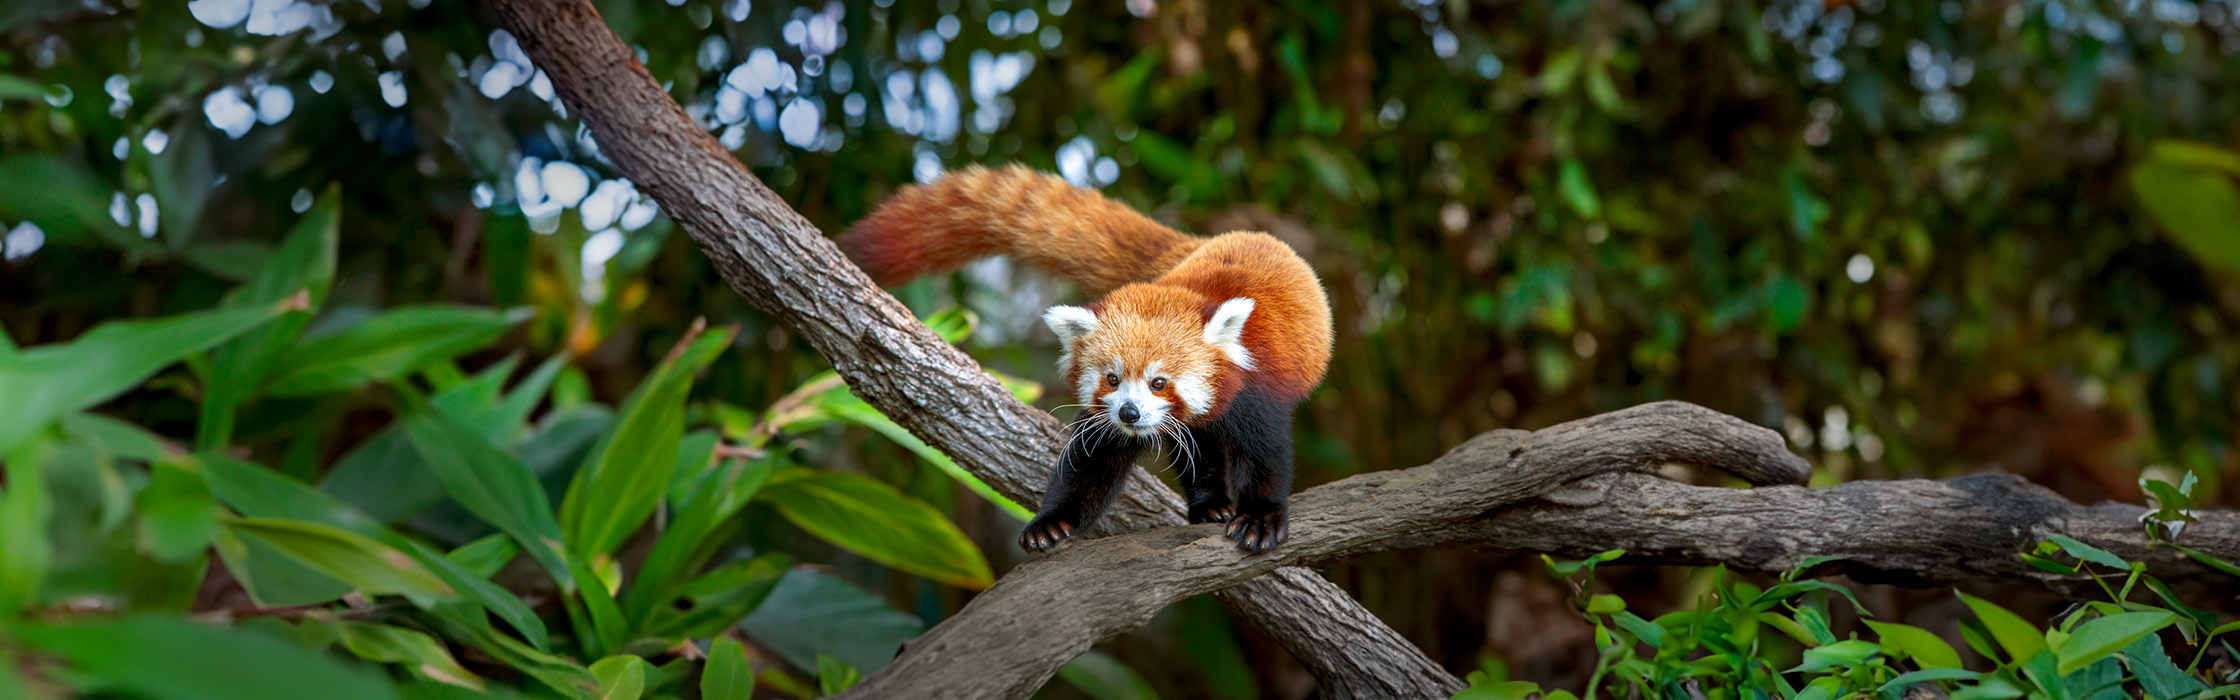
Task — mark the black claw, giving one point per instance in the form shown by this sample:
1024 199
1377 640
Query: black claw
1258 532
1039 537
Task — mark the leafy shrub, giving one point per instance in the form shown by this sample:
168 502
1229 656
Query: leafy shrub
1728 646
434 551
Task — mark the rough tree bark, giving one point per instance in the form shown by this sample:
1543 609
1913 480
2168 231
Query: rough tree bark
769 254
1008 641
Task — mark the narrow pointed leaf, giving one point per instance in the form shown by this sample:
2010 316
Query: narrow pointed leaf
46 382
870 518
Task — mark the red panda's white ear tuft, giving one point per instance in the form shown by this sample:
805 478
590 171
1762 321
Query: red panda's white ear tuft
1226 330
1070 323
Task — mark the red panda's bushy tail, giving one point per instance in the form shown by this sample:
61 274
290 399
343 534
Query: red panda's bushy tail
1036 218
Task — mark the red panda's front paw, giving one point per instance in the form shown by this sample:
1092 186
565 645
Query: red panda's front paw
1211 514
1041 535
1258 532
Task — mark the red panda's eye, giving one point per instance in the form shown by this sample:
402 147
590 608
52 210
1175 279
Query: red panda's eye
1112 379
1159 384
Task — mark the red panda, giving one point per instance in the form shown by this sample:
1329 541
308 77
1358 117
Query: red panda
1208 343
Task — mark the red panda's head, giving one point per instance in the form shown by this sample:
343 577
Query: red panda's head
1147 357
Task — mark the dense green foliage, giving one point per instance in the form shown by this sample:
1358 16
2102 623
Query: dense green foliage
323 297
2100 650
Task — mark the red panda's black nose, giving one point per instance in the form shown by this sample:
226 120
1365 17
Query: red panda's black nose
1129 414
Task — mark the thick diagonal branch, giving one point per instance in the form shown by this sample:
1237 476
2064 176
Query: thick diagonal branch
1485 494
769 254
1008 641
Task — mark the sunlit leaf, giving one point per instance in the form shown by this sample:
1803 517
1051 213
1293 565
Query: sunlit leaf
2020 639
413 649
2193 195
870 518
347 556
2099 638
1926 648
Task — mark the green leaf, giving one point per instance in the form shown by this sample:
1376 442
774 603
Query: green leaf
388 346
1649 632
719 598
14 88
1928 675
64 201
304 263
177 515
868 517
2204 559
491 484
727 675
179 177
2101 637
606 631
1604 604
834 675
347 556
2089 553
26 553
2199 207
689 541
953 324
620 677
813 613
1502 690
2157 675
46 382
1577 189
119 438
484 557
628 474
845 405
1925 647
174 659
1844 654
2020 639
413 649
1103 677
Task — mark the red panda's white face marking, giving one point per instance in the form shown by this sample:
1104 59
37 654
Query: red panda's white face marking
1145 360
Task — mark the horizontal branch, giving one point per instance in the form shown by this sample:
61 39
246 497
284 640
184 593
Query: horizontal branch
1008 641
1914 533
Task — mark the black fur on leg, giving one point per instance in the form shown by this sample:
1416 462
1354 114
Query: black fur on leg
1084 484
1257 431
1205 481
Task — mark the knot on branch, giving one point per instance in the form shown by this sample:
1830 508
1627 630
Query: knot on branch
1644 437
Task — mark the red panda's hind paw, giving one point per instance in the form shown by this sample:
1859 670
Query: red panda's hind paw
1041 535
1259 532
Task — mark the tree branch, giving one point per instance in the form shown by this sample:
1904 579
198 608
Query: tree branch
772 256
1008 641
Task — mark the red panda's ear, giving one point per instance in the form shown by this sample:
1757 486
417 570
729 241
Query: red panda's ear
1070 322
1225 330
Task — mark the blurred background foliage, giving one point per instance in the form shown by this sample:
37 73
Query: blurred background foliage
1921 238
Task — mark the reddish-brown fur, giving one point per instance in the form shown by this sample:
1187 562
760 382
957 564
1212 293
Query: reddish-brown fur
1038 219
1159 287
